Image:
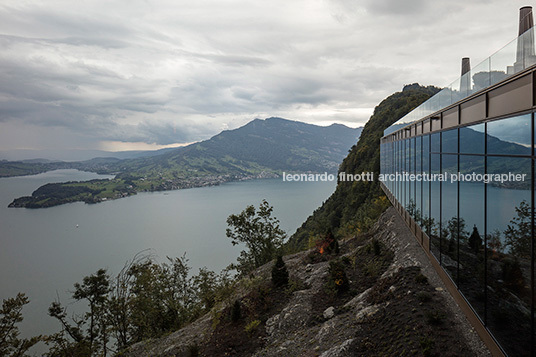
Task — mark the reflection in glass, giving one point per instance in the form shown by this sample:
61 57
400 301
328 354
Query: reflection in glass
426 184
435 198
435 143
418 183
471 274
449 141
450 226
509 251
510 136
472 139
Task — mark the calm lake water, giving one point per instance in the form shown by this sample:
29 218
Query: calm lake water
43 252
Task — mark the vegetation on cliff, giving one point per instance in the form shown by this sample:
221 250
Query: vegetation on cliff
355 206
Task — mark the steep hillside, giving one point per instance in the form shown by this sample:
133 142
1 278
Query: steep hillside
355 205
394 305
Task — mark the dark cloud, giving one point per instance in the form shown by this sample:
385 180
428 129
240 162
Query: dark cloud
173 72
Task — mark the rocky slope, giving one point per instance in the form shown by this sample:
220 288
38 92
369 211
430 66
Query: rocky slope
396 305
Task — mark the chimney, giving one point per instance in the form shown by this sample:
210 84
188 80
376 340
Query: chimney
525 42
465 80
466 65
525 19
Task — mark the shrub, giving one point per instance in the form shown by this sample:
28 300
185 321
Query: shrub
193 350
512 275
427 345
421 279
435 317
338 276
376 246
236 312
252 326
423 296
280 273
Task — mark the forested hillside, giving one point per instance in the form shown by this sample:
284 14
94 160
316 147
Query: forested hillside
354 206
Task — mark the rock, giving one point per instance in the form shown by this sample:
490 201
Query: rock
342 350
358 300
367 312
326 332
329 312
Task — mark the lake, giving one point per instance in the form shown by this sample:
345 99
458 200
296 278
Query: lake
43 252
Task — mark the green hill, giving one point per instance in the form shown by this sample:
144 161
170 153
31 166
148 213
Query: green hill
260 149
356 205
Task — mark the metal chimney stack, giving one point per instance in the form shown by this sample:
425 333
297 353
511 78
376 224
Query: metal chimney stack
465 80
525 56
525 19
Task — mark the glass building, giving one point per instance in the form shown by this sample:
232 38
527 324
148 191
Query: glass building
460 171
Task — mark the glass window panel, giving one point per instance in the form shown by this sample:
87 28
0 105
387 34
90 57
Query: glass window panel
472 139
449 216
407 168
418 184
509 241
426 184
411 205
435 199
449 141
510 136
435 145
471 274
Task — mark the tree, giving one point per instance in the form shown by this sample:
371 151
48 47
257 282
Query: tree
94 339
279 272
10 316
261 234
94 289
518 235
475 241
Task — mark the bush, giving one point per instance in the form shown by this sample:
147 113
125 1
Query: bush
252 327
427 345
338 278
236 312
423 296
421 279
435 317
376 247
279 273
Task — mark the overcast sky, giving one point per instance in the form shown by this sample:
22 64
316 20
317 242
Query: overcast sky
119 75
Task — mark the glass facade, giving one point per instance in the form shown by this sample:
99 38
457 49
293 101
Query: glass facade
472 195
509 60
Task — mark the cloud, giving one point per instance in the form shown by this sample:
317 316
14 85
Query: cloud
179 71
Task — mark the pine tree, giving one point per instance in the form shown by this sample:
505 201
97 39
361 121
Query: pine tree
236 312
279 273
475 241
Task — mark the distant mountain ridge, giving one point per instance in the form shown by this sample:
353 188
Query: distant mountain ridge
274 143
259 149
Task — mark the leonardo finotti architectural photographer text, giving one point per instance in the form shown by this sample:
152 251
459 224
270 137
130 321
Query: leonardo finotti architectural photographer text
407 177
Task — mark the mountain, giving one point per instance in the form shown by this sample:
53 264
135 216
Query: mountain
259 149
272 145
356 205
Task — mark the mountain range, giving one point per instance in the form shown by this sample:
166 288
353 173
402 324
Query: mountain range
261 148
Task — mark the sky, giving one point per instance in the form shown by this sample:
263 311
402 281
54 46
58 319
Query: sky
140 75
